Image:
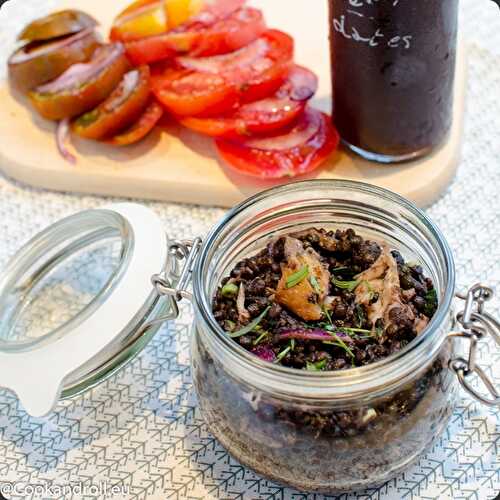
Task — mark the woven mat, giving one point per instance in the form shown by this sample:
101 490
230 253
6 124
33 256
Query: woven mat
142 429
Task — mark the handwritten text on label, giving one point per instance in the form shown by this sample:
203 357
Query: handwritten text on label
346 26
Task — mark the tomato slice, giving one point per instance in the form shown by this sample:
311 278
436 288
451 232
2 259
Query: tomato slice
302 149
141 128
197 38
229 34
265 115
82 86
40 62
214 85
124 105
56 25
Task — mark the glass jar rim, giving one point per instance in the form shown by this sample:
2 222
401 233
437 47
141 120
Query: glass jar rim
371 376
73 233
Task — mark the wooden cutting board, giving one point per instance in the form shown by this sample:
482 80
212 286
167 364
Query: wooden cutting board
176 165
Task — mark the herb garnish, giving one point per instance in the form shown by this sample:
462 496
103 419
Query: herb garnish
250 326
354 330
260 338
339 343
295 278
360 315
282 354
327 314
314 283
230 325
316 367
346 285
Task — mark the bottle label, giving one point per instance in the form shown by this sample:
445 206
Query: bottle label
357 23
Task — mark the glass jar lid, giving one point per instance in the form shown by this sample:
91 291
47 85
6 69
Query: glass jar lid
71 295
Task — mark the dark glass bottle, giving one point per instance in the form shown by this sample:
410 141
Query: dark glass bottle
393 68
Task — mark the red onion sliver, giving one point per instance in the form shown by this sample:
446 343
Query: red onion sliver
316 334
300 134
62 135
129 81
226 62
264 353
82 72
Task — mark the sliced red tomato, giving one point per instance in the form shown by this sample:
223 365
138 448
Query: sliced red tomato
141 128
208 86
37 63
230 33
124 105
197 38
147 18
56 25
265 115
82 86
301 149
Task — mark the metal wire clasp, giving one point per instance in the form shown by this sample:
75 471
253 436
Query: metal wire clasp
477 324
174 282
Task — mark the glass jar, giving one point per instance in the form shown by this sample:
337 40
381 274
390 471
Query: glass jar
370 422
393 69
110 277
68 318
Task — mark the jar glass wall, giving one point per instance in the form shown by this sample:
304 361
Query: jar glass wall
332 431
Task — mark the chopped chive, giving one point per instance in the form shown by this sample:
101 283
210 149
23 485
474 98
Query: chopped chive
314 283
331 342
250 326
230 325
354 330
292 344
345 285
260 338
295 278
328 316
316 367
360 315
379 331
229 290
342 344
282 354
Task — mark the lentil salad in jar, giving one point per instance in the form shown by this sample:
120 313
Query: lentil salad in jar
321 345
